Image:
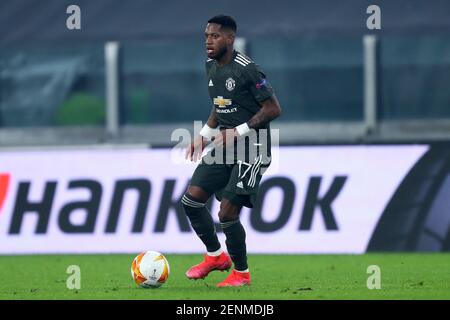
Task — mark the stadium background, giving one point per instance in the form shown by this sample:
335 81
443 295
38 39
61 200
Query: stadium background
86 118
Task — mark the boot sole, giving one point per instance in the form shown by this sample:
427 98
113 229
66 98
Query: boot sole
231 286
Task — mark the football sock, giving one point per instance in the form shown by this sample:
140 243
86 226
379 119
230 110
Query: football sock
243 271
235 234
215 253
201 222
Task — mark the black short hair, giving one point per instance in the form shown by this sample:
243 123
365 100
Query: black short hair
225 21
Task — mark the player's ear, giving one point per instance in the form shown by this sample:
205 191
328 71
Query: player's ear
230 38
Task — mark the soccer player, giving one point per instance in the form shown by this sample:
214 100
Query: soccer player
244 104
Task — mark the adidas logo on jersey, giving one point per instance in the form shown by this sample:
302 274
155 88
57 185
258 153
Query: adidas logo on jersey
211 84
240 185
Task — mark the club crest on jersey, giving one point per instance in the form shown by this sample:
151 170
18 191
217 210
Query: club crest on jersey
230 84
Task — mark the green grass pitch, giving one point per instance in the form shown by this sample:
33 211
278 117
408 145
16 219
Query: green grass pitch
403 276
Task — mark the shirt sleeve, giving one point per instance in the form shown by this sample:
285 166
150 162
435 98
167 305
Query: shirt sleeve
258 84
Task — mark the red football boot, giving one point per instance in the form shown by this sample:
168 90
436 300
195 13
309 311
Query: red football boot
236 279
200 271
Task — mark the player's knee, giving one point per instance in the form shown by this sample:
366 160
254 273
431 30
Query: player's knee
228 211
225 215
197 193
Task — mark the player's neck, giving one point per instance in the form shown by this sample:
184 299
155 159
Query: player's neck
226 58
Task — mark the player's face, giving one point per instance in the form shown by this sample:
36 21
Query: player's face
216 41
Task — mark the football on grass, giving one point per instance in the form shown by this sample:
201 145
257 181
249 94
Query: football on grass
150 269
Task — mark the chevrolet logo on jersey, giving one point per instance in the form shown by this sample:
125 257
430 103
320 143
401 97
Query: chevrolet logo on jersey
221 102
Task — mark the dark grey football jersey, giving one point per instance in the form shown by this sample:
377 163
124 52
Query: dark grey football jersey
236 90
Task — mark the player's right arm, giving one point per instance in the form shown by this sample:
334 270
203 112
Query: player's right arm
195 149
212 120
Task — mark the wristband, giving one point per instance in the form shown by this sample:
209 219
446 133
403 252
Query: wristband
243 129
207 132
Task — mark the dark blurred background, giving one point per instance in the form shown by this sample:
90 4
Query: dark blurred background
333 85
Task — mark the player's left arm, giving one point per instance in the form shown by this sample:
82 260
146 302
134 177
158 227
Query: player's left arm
262 91
270 110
